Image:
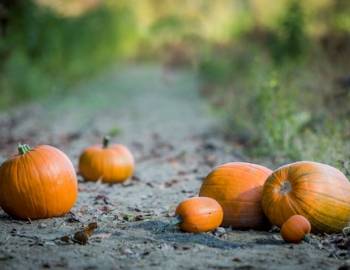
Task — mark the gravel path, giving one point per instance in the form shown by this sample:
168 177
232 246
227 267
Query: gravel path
174 138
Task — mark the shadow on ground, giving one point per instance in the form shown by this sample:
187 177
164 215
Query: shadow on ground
163 231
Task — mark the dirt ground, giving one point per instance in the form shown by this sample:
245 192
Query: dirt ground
176 142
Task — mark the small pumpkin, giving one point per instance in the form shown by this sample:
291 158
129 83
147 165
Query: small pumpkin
37 183
295 229
314 190
199 214
109 163
237 186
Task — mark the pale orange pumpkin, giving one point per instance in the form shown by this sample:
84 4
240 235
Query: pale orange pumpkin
108 163
295 229
314 190
237 186
199 214
37 183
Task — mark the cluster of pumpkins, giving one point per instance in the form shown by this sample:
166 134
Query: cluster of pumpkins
41 182
297 197
300 197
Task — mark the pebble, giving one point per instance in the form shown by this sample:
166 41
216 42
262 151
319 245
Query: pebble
220 231
42 225
126 251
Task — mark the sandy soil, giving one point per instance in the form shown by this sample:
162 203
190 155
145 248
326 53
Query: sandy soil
175 141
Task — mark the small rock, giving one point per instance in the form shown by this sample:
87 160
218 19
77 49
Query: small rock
139 218
71 217
181 247
276 237
145 253
42 225
220 231
126 251
274 229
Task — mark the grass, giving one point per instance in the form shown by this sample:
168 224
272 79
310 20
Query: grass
277 92
44 52
278 111
272 83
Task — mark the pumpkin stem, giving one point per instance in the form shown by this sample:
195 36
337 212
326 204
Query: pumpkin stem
23 148
286 187
105 141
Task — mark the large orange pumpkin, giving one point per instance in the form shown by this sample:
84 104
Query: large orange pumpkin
237 186
199 214
37 183
108 163
316 191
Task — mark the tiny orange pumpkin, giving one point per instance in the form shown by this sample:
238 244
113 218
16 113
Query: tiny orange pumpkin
108 163
237 186
199 214
37 183
295 229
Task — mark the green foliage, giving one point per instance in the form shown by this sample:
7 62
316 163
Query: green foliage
289 42
273 111
278 119
327 145
272 91
170 24
46 52
217 70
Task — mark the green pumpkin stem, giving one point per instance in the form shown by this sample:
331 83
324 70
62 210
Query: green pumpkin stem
23 149
105 141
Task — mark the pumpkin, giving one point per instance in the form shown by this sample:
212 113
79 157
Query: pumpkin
199 214
37 183
295 229
109 163
314 190
237 186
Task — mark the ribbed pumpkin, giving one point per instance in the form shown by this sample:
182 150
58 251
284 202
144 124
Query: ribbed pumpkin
108 163
316 191
37 183
237 186
199 214
295 229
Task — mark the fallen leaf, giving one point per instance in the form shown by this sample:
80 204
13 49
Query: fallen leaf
82 237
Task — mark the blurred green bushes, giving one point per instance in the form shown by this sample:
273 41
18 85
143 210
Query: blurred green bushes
276 88
43 52
271 68
290 41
